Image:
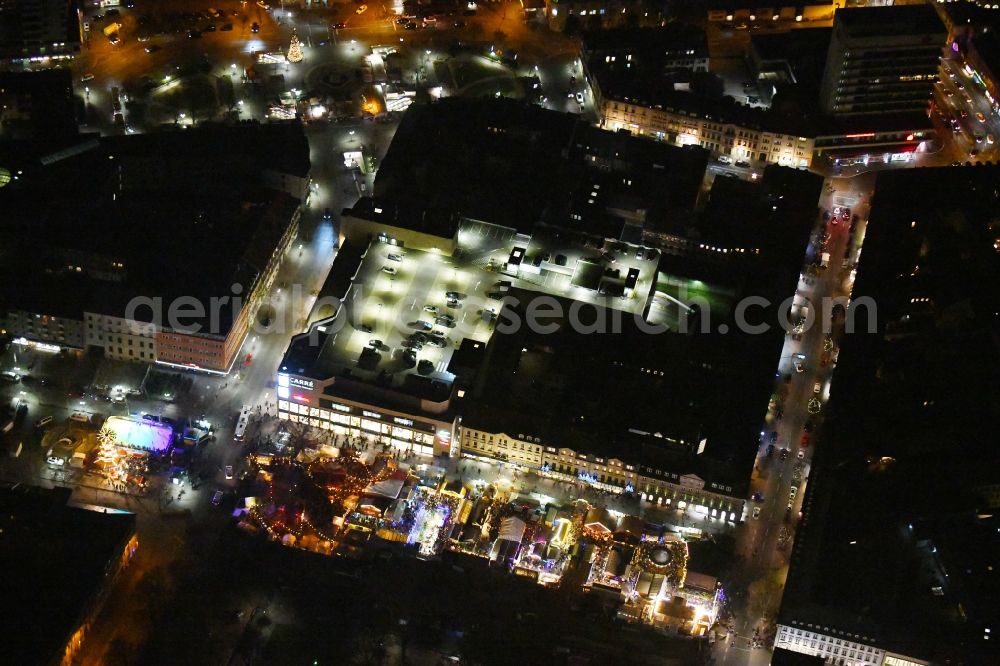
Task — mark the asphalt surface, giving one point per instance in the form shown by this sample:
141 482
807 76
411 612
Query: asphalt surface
764 541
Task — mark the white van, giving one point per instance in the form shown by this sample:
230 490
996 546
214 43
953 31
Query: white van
80 417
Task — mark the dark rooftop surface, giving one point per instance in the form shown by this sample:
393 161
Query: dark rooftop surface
54 560
987 45
804 49
774 216
13 37
644 398
658 181
783 657
649 43
757 4
492 160
648 84
44 99
650 399
890 21
158 204
909 426
514 164
970 15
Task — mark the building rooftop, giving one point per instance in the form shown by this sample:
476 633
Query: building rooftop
55 559
804 50
105 221
783 657
987 45
968 15
492 160
890 21
513 164
21 31
907 427
648 399
37 104
676 93
651 44
732 5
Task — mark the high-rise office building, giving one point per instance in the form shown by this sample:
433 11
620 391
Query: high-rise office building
39 29
882 60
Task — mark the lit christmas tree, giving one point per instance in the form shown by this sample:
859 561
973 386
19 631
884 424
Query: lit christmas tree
295 49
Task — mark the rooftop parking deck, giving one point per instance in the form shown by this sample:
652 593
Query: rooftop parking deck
398 294
563 263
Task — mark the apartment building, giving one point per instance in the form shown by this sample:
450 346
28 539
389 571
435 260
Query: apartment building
117 290
726 131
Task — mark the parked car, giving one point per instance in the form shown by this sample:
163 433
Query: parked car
217 498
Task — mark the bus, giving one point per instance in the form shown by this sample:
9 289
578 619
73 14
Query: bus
242 423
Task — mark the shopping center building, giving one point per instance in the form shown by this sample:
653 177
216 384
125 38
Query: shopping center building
413 342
